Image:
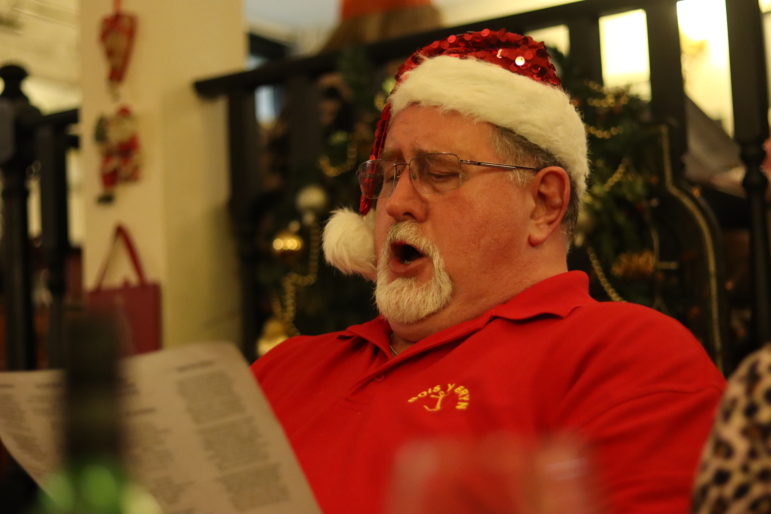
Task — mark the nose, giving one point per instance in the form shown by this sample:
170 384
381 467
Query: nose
405 202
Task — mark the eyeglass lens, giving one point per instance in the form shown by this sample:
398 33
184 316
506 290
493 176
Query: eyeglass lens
430 173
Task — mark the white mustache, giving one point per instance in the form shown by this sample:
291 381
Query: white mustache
409 233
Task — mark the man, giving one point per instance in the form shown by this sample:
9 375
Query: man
476 171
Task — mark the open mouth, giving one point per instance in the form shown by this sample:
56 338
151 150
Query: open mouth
405 253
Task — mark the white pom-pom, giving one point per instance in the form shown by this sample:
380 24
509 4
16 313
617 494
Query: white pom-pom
349 242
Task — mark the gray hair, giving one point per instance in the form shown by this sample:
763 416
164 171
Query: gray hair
518 150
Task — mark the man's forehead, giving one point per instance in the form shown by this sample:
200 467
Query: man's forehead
414 149
435 110
438 136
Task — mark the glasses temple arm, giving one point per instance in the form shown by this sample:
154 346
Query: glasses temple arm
496 165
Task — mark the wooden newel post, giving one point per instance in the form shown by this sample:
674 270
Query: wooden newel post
17 150
750 103
18 121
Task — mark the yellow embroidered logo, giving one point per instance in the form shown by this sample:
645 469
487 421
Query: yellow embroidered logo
435 398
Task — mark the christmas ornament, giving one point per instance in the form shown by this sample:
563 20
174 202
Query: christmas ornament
117 38
634 265
285 307
273 333
118 143
287 244
311 201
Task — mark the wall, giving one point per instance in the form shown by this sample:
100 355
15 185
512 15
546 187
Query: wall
27 30
177 211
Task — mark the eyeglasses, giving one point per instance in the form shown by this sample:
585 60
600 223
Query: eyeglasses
430 173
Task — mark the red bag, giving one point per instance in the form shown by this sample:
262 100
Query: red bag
137 307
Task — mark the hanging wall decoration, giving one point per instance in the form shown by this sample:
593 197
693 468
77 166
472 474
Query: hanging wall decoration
118 142
116 134
117 38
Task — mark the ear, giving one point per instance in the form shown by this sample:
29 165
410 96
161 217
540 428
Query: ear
550 191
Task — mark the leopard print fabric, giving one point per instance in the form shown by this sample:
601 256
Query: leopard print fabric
735 471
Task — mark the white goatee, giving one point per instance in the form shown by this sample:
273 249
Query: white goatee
403 299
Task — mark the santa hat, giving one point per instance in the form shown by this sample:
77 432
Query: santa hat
494 76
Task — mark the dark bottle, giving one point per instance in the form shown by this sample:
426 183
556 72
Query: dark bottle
92 479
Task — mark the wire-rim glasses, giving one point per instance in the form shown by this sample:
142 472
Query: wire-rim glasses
430 173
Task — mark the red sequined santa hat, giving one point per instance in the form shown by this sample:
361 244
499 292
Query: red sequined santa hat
494 76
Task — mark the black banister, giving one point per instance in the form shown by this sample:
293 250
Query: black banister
585 49
52 143
303 113
18 154
244 152
277 71
750 104
666 76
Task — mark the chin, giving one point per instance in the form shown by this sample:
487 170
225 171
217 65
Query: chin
411 301
407 301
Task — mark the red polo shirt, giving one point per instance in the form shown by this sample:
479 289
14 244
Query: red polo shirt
633 382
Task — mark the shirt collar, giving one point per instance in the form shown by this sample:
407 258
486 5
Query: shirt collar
556 296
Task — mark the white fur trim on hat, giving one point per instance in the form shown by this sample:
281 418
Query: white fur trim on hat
349 242
539 112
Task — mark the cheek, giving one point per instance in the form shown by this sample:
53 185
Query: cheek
461 238
484 239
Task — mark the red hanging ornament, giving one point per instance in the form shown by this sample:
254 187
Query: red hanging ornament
117 38
118 143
